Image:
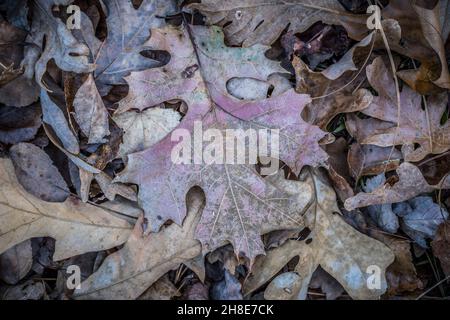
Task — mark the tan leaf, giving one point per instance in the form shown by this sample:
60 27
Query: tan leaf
127 273
144 129
77 227
111 189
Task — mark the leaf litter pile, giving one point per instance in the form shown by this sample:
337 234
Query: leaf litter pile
358 209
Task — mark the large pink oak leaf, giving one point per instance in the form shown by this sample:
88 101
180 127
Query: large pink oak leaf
240 204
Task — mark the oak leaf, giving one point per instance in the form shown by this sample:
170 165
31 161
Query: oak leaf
77 227
261 21
240 205
339 249
413 125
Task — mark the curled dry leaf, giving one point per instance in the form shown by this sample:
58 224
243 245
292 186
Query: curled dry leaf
77 227
364 160
339 169
414 125
261 21
369 159
421 218
339 249
382 214
411 183
334 90
144 129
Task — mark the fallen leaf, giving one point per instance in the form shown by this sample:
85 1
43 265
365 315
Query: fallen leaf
365 160
414 126
15 88
401 275
77 227
16 262
90 112
441 247
56 117
144 129
423 34
334 90
246 210
19 124
127 273
37 174
128 30
111 189
382 214
261 21
411 183
59 44
420 218
339 249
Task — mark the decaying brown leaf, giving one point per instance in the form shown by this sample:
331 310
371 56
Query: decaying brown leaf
339 249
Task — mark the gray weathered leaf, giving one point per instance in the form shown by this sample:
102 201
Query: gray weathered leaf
262 21
37 174
19 124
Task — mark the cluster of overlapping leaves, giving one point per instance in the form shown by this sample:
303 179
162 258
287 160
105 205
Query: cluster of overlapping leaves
86 115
